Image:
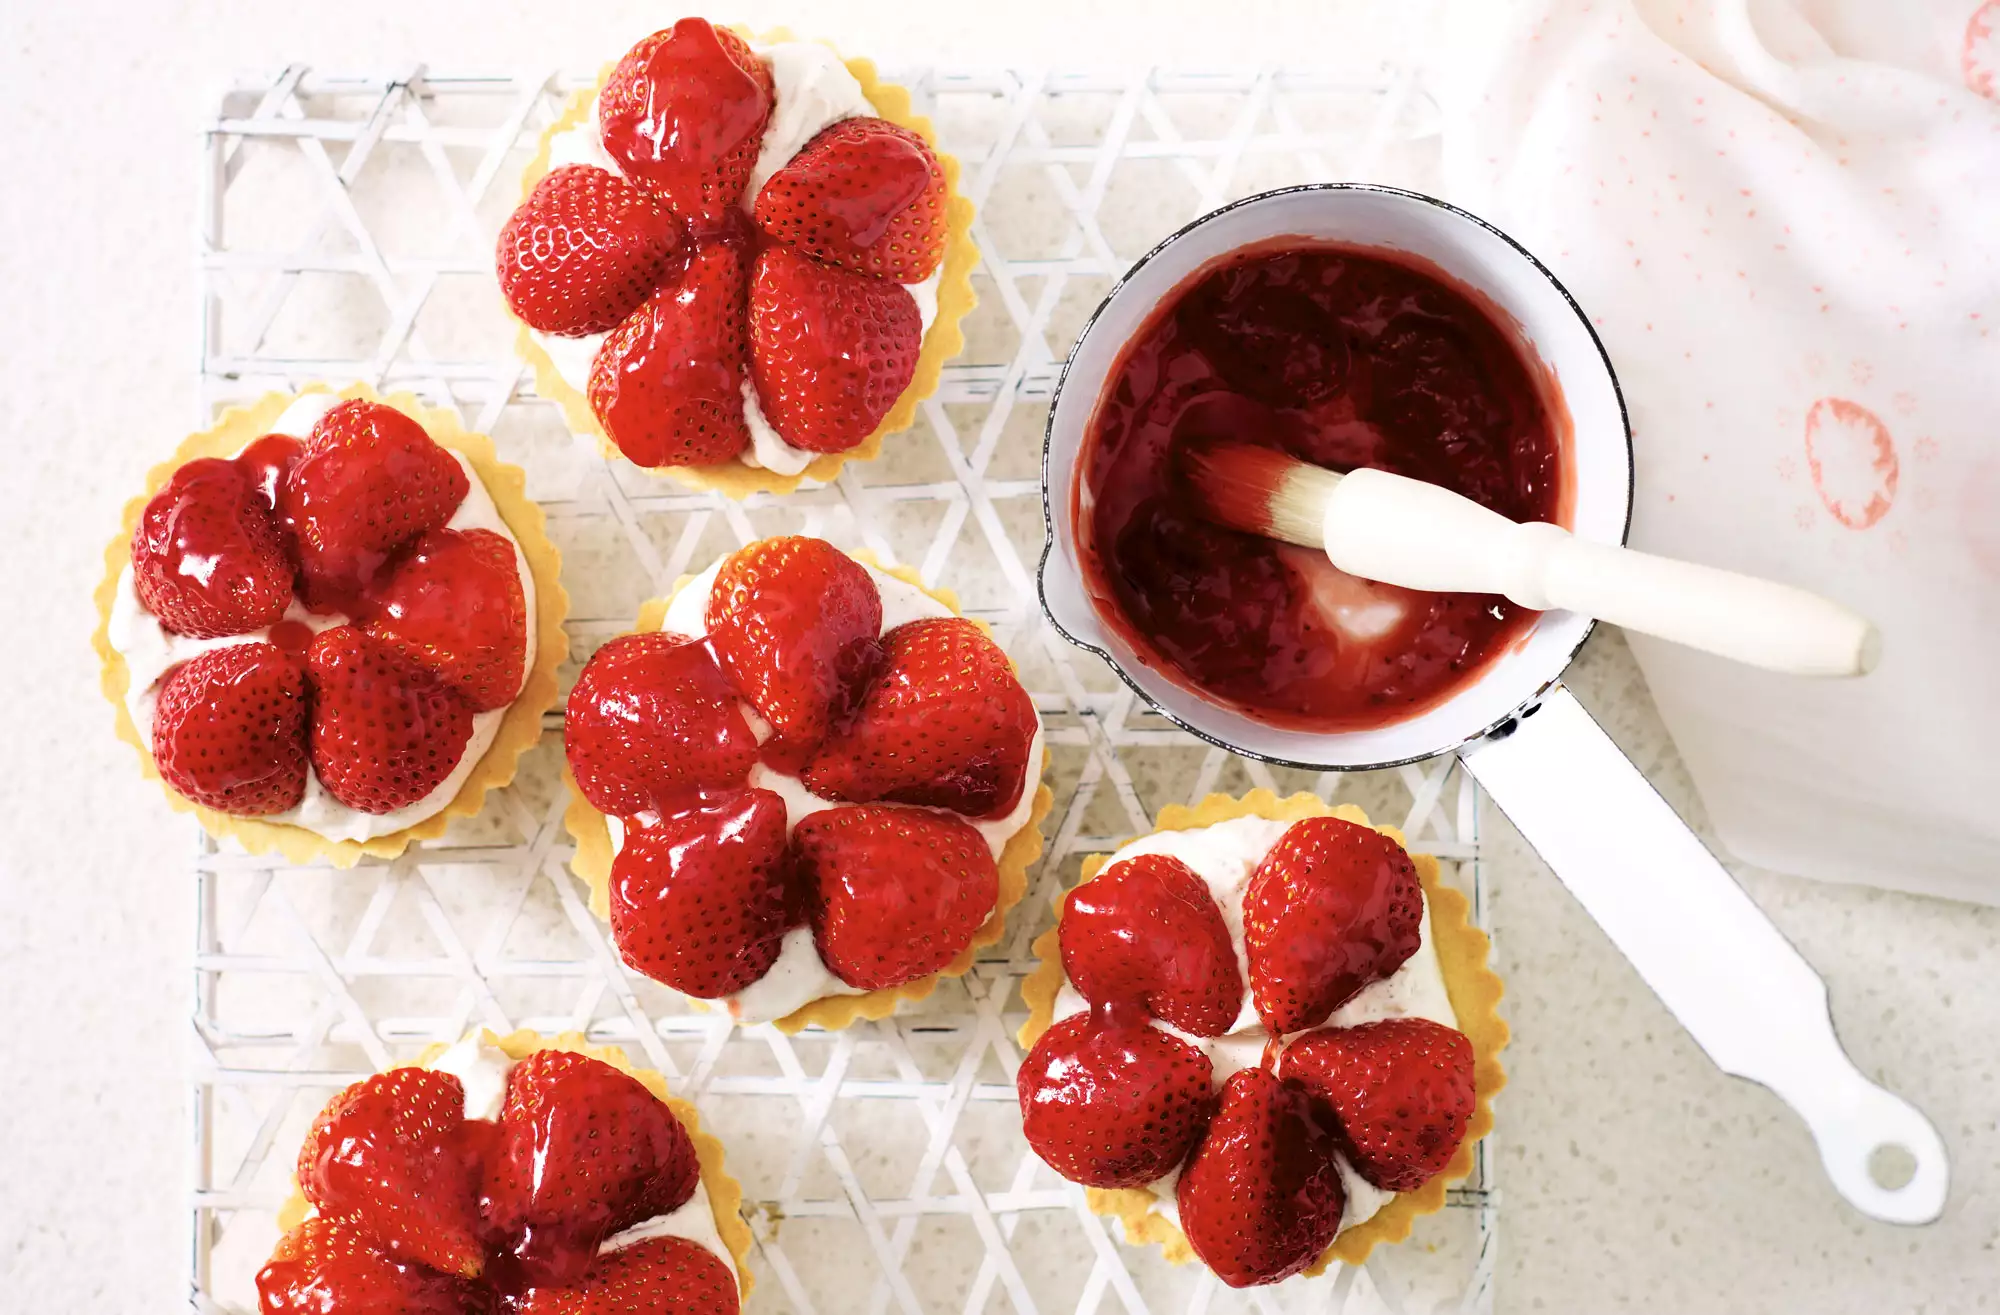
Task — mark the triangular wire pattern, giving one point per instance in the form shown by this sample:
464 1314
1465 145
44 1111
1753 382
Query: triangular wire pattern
346 233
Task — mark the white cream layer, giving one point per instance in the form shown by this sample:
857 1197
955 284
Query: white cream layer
151 650
1225 856
813 90
799 976
482 1069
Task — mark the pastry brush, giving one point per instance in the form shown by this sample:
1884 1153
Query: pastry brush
1403 531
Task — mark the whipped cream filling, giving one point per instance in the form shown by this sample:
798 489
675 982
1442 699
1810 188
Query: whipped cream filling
1225 856
800 976
813 89
151 651
482 1069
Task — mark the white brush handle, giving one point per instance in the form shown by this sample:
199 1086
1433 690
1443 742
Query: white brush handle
1405 532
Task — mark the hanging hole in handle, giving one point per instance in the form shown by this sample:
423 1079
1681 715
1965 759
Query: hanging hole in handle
1891 1166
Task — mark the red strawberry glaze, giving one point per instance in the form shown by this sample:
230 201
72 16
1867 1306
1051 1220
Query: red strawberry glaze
1347 358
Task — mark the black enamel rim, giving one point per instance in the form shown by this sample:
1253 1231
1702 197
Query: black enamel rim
1502 725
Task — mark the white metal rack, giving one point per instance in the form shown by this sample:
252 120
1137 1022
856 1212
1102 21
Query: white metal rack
346 232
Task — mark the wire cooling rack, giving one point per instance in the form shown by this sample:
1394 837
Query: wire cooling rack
346 232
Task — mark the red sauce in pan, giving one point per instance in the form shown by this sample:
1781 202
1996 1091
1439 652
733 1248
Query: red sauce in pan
1345 358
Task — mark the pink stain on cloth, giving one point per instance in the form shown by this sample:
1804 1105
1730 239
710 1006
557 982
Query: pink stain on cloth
1784 219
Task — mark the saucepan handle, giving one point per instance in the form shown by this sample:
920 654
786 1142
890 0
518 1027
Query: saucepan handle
1738 986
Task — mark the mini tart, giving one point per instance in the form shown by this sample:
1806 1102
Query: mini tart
955 300
725 1193
592 861
1473 987
519 728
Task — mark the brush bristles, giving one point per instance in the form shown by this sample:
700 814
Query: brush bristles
1259 491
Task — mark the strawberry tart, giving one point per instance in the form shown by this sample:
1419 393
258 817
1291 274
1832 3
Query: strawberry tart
331 624
739 262
805 788
510 1173
1263 1036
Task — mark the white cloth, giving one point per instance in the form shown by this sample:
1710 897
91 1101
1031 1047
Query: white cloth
1784 219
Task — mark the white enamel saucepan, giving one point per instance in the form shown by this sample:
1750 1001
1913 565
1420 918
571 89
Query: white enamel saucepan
1738 986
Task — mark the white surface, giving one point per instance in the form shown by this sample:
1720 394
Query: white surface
1781 215
1616 1137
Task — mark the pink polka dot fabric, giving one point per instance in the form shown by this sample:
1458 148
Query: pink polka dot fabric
1784 219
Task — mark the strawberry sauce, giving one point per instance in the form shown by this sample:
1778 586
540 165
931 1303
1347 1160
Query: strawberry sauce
1346 358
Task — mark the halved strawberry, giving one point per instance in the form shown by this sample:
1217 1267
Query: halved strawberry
326 1266
207 556
945 723
831 350
683 114
583 1151
893 893
385 731
650 721
1108 1101
267 464
1261 1197
583 251
698 898
661 1276
1333 907
865 194
455 604
1147 931
667 384
393 1157
229 729
793 621
369 481
1401 1089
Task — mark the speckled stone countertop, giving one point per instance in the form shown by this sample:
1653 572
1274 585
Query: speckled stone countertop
1634 1174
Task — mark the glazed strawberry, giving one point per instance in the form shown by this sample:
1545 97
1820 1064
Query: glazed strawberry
651 720
583 251
1261 1197
1108 1101
1147 932
865 194
944 723
229 729
369 481
1333 907
207 556
683 114
455 604
1401 1089
661 1276
830 350
584 1151
394 1157
326 1266
385 731
793 622
667 384
698 898
893 893
267 464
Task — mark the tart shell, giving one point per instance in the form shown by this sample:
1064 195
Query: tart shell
519 728
1473 987
725 1193
944 340
592 861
